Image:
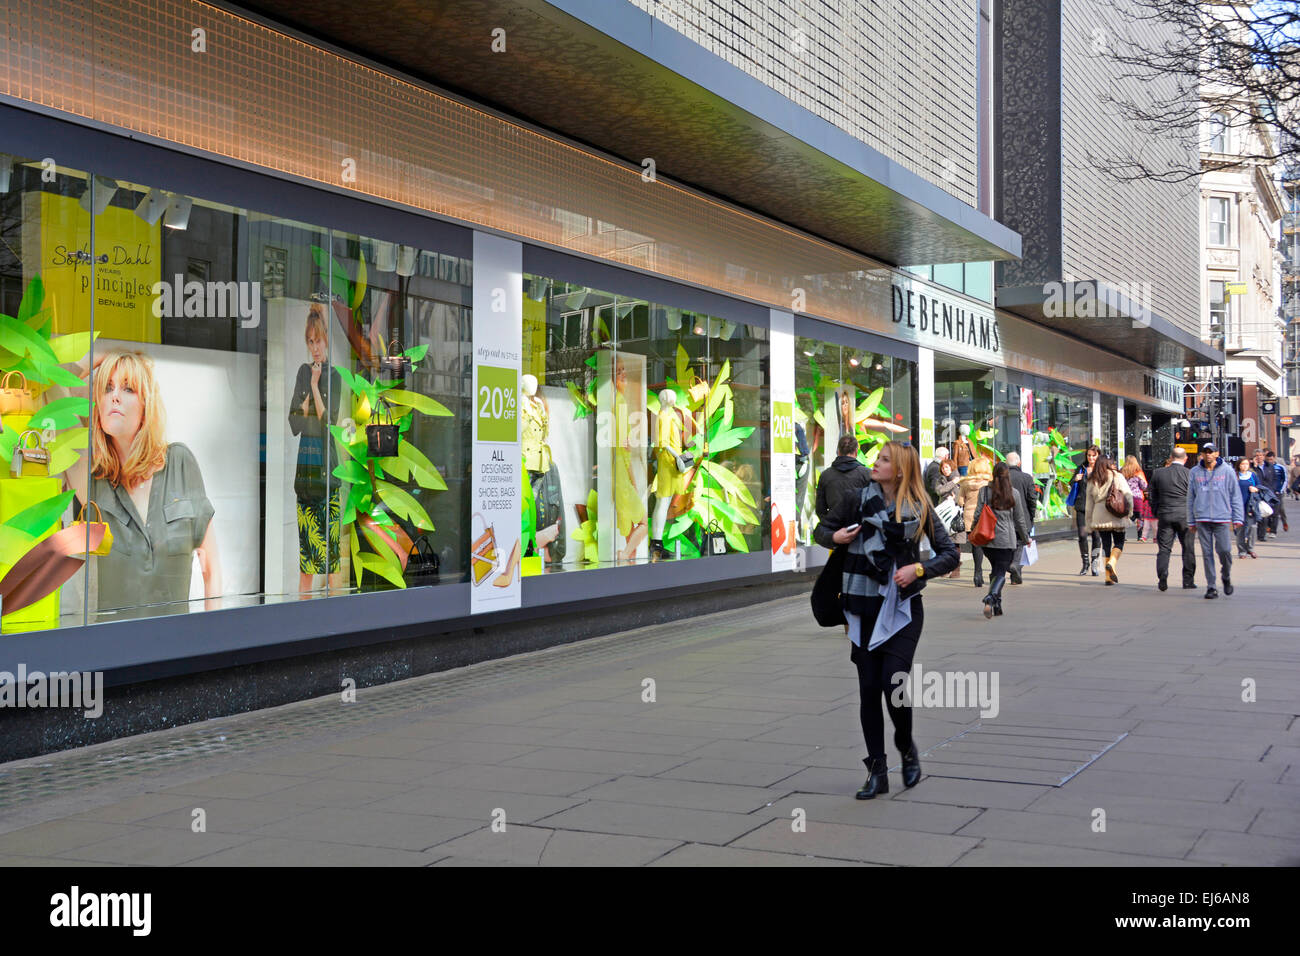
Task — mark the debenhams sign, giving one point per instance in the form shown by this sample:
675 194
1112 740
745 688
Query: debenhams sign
927 316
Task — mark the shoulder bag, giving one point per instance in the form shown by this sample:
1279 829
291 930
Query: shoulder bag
987 525
1115 501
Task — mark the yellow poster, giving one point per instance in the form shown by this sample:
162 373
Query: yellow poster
535 339
127 263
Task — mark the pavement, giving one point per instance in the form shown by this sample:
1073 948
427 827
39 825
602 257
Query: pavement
1131 728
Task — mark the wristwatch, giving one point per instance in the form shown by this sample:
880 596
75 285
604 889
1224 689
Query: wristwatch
920 570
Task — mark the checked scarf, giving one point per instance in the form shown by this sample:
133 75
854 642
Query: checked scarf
870 557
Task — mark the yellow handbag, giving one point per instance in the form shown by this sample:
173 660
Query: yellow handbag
105 545
16 400
30 462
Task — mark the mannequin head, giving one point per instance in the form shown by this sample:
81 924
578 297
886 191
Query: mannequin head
667 398
528 385
965 431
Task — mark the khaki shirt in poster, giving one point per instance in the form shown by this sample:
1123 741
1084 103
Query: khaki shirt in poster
152 561
536 428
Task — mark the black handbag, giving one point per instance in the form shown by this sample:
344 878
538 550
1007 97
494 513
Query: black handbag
715 542
381 437
422 563
827 608
395 363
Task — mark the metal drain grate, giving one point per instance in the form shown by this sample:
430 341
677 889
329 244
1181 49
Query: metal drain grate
1018 753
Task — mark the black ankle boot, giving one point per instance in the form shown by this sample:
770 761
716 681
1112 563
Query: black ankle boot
877 779
911 767
1084 570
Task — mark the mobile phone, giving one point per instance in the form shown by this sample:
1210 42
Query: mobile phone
852 527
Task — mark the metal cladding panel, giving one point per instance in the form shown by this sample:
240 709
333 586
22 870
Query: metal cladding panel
898 75
1142 236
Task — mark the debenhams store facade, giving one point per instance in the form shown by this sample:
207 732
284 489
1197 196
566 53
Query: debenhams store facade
308 366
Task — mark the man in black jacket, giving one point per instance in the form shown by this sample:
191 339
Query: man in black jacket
846 475
1029 491
1167 495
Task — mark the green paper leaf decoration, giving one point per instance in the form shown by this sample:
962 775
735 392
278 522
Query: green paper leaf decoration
359 287
403 505
416 353
421 403
377 564
339 284
870 404
72 347
33 299
42 516
19 339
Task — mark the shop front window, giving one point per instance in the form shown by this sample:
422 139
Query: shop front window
642 434
845 391
218 407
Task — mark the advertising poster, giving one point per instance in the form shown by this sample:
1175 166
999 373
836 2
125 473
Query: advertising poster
1027 430
193 531
293 440
783 537
497 478
128 262
622 474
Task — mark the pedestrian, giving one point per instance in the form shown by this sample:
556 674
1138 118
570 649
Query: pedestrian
1142 513
1293 476
1257 465
947 486
1167 495
1275 481
880 530
981 473
1079 501
1102 519
1214 509
1029 491
1010 532
1249 486
845 478
932 472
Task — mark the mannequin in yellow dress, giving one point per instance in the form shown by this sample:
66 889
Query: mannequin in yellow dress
669 480
536 427
629 500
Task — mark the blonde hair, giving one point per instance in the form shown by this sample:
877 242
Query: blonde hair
316 320
980 468
148 453
910 490
1131 467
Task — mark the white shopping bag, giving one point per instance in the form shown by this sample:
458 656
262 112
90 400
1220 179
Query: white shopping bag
1031 553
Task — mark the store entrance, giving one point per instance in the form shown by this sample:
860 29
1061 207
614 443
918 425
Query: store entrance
974 396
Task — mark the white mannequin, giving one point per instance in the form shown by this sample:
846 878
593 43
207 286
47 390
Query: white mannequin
529 386
667 400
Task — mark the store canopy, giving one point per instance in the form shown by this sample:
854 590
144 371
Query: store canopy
1104 316
611 76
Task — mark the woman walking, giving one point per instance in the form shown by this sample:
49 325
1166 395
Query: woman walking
882 527
1249 484
1137 485
1079 499
1011 532
1101 519
980 473
943 486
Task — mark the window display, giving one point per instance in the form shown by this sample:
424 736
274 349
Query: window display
646 417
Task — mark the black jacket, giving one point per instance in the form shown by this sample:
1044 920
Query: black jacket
845 476
1028 490
1167 493
904 551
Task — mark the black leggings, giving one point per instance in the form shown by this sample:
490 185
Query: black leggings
1081 528
876 670
1111 539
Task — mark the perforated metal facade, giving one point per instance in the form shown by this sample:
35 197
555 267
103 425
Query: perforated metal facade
898 75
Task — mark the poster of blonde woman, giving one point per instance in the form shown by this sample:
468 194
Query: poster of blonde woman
184 514
622 433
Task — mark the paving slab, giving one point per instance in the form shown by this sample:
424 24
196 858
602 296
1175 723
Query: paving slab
866 843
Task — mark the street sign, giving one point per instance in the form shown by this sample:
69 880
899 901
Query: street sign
1287 421
1268 408
1235 288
